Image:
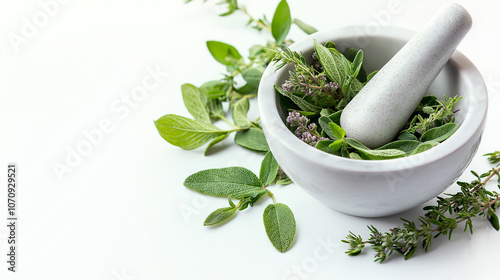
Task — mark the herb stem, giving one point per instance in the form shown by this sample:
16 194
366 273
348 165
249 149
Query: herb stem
227 121
494 172
272 196
252 19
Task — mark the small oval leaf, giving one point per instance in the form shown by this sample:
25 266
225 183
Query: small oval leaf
280 225
219 216
282 20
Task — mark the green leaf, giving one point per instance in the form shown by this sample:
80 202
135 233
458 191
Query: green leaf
350 54
324 145
253 75
371 75
247 89
332 63
439 133
302 103
232 6
367 153
195 102
280 225
494 221
424 147
186 133
215 141
237 182
240 111
305 27
330 45
268 169
282 20
219 216
224 53
407 146
355 156
405 135
335 146
324 122
357 63
252 139
337 131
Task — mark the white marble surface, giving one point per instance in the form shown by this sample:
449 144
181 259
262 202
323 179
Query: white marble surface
122 212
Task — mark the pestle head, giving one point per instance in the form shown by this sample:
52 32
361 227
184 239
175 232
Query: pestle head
381 109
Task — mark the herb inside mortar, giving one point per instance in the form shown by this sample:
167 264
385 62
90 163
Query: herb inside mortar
316 93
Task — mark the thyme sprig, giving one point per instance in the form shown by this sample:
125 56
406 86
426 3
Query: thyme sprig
474 200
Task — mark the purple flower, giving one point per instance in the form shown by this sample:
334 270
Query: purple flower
287 86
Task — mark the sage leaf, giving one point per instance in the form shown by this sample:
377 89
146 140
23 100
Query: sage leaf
224 53
494 221
367 153
332 64
268 169
280 225
282 20
439 133
337 131
253 75
186 133
302 103
407 146
305 27
405 135
215 141
253 139
240 111
195 102
424 147
237 182
219 216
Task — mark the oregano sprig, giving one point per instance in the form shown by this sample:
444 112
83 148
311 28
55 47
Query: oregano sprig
473 201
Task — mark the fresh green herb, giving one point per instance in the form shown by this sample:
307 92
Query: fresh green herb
328 84
474 200
315 93
242 184
205 104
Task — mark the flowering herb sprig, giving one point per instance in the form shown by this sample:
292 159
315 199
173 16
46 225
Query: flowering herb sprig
303 128
473 201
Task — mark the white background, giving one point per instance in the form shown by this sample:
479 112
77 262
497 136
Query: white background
121 211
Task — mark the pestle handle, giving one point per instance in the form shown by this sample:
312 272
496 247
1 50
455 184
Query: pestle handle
380 110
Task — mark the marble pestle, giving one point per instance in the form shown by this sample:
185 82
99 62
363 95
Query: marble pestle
381 109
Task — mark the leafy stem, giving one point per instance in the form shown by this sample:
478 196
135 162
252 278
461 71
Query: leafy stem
472 201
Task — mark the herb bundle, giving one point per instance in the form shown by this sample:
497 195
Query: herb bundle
319 92
316 93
